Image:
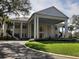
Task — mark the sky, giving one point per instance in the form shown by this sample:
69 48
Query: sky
68 7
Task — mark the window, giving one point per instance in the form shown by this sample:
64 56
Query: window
17 35
10 26
24 25
17 25
41 35
24 35
41 29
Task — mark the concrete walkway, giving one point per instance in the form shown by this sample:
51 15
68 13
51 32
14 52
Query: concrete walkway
20 42
13 50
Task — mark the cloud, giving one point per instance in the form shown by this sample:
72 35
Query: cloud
40 4
73 8
68 7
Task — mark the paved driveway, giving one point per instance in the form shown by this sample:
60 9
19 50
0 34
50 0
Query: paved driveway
12 51
15 50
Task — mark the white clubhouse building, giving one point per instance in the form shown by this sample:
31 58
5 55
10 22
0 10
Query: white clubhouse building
41 24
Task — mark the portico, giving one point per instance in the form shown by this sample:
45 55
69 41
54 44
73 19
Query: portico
45 23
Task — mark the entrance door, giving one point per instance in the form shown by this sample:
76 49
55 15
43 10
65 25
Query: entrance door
41 34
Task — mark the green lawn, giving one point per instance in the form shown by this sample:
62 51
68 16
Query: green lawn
59 48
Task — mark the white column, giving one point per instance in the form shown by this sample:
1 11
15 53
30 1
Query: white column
52 31
46 30
37 27
4 29
28 30
35 30
66 28
13 28
21 30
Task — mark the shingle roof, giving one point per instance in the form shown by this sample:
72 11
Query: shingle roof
52 11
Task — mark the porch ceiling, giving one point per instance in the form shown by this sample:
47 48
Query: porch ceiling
50 21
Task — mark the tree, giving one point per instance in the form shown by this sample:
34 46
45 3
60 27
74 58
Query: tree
71 28
75 21
5 20
16 7
9 24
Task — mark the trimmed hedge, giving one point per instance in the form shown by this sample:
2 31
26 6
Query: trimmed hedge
58 39
7 38
24 38
11 38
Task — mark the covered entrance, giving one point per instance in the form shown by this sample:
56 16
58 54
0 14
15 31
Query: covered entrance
44 24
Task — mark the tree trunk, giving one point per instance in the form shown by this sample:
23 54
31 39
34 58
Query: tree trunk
4 30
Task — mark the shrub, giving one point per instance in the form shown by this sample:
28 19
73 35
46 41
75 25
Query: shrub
35 45
7 38
24 38
58 39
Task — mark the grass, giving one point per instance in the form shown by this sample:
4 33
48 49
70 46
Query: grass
59 48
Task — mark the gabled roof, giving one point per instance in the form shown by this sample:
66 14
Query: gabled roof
51 11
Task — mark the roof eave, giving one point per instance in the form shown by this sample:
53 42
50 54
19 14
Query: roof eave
52 16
